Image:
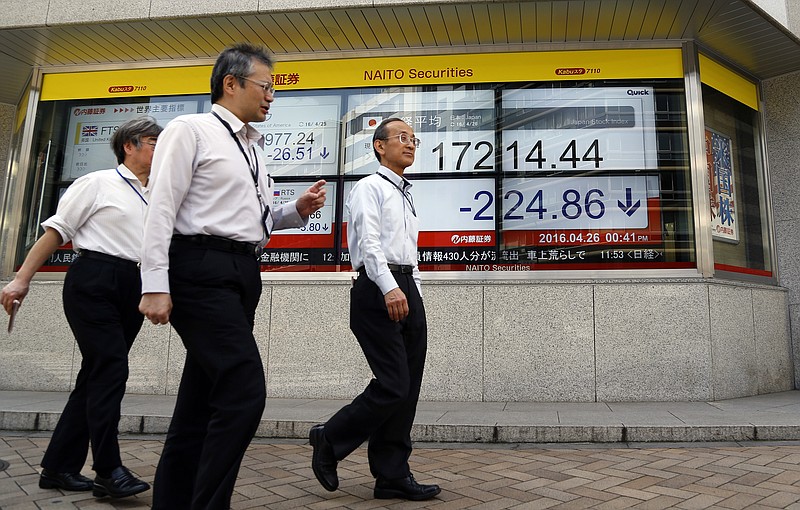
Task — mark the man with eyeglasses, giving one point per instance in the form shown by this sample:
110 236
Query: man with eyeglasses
387 317
210 215
102 213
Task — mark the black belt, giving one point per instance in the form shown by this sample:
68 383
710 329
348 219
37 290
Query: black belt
96 255
395 268
221 244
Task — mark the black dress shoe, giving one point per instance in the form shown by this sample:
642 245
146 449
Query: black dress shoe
120 484
404 488
323 461
64 481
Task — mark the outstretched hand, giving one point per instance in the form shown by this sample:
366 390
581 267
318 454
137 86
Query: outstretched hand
312 200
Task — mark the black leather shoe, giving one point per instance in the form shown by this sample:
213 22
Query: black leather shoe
64 481
404 488
323 461
120 484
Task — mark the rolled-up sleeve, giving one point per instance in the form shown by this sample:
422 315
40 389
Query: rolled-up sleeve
75 207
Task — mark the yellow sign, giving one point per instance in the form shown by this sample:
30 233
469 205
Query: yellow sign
382 71
162 81
480 68
729 83
22 109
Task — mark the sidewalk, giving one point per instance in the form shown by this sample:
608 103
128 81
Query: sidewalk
773 417
276 475
615 471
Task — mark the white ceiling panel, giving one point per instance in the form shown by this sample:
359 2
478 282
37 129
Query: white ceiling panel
731 29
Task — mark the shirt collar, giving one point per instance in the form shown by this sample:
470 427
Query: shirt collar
237 125
128 175
399 181
126 172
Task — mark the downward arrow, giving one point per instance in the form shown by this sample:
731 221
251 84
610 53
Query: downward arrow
629 207
324 153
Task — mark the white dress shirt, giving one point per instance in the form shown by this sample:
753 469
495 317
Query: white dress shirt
103 211
201 184
383 227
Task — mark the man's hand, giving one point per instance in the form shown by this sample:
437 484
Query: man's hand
312 200
156 307
397 304
15 290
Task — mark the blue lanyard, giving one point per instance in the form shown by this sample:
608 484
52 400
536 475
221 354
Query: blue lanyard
132 186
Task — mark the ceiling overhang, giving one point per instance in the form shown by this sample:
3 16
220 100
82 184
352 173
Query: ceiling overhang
737 32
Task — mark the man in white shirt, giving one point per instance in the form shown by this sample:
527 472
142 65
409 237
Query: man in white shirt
387 317
210 215
102 213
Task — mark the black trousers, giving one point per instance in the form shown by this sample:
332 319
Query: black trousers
222 391
101 303
384 411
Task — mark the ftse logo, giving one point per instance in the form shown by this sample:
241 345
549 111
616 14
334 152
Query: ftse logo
570 71
118 89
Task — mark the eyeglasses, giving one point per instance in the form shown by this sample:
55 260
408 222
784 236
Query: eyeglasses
405 139
269 87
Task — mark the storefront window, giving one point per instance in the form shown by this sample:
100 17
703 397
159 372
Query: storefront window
72 139
736 186
540 176
511 176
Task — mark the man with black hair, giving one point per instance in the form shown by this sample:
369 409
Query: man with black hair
387 317
102 213
209 218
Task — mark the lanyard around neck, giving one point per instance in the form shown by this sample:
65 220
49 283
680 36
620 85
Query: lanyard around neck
407 196
265 211
132 186
252 166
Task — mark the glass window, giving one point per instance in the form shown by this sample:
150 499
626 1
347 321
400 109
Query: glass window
540 176
595 176
736 186
72 138
533 176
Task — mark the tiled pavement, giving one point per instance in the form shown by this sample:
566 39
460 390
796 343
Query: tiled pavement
485 455
276 474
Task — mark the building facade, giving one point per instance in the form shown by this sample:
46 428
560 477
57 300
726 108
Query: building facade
605 187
